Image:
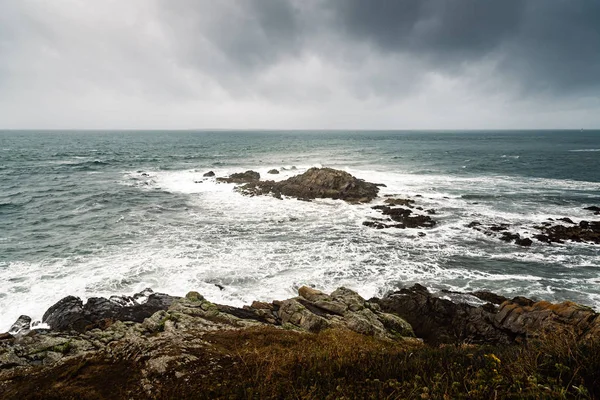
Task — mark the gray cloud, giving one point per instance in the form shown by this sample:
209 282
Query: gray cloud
308 63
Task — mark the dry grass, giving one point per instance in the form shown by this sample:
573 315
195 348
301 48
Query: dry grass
270 363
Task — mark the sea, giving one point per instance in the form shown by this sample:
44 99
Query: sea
99 213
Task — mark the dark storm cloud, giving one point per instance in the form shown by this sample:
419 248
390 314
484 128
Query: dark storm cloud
541 45
377 63
456 30
232 36
538 46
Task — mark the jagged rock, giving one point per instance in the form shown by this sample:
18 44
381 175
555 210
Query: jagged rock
399 202
403 216
595 209
71 313
566 219
439 320
532 318
526 242
585 231
241 177
489 297
317 183
209 174
273 171
294 313
21 325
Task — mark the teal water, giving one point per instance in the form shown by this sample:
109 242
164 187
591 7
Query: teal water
101 213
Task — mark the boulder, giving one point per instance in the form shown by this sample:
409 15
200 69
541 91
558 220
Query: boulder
241 177
70 312
21 325
273 171
438 320
209 174
317 183
293 312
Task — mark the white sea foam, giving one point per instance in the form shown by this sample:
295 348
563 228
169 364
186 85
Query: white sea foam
264 248
585 150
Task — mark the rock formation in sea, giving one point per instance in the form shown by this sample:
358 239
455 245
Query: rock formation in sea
241 177
317 183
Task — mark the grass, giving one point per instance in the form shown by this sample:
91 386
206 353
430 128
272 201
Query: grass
269 363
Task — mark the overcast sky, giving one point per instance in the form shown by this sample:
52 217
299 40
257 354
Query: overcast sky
299 64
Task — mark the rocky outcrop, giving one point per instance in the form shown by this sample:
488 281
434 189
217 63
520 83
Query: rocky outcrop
241 177
568 231
403 217
125 324
317 183
438 320
151 329
208 174
273 171
594 209
71 314
585 231
314 311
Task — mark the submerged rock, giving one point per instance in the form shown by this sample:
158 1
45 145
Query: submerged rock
317 183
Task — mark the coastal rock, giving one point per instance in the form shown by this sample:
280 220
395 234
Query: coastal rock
241 177
317 183
585 231
595 209
209 174
399 202
502 229
401 215
439 320
273 171
21 325
70 312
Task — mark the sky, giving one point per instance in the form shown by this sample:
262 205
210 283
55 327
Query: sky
299 64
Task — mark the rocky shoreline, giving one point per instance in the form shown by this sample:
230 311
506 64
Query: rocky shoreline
162 335
158 346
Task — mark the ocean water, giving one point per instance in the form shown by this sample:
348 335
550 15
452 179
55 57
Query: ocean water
102 213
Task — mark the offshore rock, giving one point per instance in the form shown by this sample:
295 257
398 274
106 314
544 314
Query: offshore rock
241 177
209 174
273 171
585 231
403 217
317 183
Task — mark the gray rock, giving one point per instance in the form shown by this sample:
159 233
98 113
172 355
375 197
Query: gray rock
21 325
